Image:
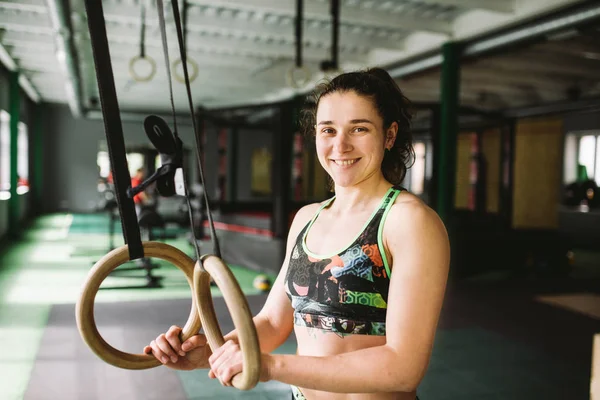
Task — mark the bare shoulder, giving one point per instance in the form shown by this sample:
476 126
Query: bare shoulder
303 216
411 220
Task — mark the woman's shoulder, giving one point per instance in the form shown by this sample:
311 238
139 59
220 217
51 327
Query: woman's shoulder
410 211
304 215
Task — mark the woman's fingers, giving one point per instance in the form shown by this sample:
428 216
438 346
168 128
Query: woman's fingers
227 373
165 347
226 362
172 337
193 342
158 353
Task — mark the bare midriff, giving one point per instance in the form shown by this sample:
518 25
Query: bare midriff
318 343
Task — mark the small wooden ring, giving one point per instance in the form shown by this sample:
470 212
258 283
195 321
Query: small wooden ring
293 81
134 74
181 78
85 306
240 314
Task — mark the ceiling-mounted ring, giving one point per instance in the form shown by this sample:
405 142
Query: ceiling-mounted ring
192 76
137 77
297 82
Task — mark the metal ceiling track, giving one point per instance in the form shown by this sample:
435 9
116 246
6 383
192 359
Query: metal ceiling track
572 17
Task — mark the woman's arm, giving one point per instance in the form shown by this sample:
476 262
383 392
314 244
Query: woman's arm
418 244
274 322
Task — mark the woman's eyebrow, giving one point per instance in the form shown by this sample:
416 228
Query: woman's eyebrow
354 121
361 121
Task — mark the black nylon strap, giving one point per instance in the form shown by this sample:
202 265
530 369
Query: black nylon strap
183 56
299 26
113 127
335 31
143 29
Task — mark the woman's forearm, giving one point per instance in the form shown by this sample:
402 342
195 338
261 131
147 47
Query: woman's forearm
269 336
370 370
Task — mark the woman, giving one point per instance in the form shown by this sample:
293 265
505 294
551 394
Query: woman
364 278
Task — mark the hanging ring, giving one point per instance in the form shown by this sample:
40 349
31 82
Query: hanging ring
85 306
241 315
135 75
298 77
181 78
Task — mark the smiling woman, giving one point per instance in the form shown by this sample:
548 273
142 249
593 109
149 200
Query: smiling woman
364 277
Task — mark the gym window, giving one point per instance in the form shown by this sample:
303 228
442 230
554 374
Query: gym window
4 155
22 159
582 156
417 177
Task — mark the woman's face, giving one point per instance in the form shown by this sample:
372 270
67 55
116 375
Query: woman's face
349 138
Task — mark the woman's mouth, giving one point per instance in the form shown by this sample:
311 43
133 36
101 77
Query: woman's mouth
345 162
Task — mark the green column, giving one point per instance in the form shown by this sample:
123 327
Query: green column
450 90
232 161
37 180
14 110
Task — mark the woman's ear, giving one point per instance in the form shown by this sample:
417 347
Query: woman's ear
390 135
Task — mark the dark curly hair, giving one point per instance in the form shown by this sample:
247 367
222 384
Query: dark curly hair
390 102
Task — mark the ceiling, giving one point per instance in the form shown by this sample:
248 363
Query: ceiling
244 50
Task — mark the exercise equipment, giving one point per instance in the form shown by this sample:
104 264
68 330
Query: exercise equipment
169 146
190 61
149 221
262 283
298 75
331 66
142 56
108 204
581 193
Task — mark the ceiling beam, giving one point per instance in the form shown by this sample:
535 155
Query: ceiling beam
228 24
472 72
319 11
124 53
28 22
221 45
11 64
538 64
502 6
234 44
23 5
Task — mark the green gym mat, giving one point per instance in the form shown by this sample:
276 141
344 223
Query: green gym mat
47 267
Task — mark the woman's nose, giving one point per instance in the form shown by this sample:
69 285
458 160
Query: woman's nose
342 143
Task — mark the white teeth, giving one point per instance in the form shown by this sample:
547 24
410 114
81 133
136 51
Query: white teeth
345 162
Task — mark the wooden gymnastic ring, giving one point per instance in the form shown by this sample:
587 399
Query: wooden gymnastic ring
294 81
134 74
241 315
85 306
181 78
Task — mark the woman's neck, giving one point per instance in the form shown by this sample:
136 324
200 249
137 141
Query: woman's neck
359 197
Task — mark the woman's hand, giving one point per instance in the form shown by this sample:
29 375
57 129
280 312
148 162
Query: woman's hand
227 361
189 355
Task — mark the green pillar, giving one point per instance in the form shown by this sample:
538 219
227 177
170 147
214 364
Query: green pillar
37 180
450 90
232 161
14 110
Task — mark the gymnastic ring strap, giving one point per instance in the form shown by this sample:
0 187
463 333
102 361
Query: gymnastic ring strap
85 305
134 74
181 78
297 82
142 55
212 266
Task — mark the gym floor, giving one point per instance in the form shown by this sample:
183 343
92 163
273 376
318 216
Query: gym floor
497 339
